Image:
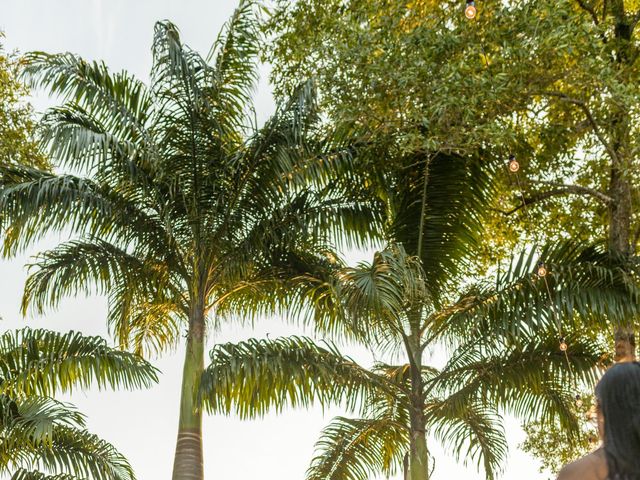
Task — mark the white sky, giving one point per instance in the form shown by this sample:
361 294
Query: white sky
143 424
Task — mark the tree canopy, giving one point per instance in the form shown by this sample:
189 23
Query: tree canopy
18 144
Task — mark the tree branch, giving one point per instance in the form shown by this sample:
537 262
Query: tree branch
636 238
635 20
560 190
583 106
590 10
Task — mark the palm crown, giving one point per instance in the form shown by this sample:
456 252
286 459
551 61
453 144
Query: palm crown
183 206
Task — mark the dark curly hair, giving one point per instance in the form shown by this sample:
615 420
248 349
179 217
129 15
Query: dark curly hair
618 397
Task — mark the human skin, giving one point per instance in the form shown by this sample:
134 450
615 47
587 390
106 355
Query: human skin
592 466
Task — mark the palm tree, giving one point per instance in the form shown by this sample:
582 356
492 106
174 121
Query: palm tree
43 438
501 332
178 200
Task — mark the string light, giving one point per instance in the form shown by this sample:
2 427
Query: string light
514 166
542 270
579 402
470 11
563 345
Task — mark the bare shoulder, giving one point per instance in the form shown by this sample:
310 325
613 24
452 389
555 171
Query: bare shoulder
589 467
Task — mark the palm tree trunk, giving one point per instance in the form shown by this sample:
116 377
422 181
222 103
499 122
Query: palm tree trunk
188 464
418 454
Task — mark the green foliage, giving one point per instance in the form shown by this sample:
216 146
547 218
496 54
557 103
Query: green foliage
181 203
17 126
554 82
180 209
501 332
554 446
313 373
43 438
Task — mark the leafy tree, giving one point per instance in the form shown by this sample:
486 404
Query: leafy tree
501 333
179 201
43 438
554 82
555 446
17 127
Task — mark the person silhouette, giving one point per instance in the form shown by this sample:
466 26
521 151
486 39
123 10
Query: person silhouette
618 410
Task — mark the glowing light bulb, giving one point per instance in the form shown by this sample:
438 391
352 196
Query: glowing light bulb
579 402
563 345
470 11
514 166
542 270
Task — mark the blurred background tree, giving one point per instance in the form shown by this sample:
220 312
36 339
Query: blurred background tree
17 125
555 446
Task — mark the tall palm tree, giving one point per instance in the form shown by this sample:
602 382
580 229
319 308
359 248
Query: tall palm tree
501 332
43 438
178 199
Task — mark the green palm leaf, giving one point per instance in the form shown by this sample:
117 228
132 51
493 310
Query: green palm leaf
22 474
279 373
438 213
355 449
40 362
583 285
70 450
471 432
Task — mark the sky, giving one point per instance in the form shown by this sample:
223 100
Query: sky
143 424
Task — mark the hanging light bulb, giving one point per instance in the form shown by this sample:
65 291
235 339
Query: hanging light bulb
470 11
579 402
542 270
513 164
563 345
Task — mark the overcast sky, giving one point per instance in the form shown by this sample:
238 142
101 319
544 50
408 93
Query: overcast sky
143 424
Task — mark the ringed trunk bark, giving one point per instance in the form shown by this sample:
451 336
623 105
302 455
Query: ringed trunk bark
188 462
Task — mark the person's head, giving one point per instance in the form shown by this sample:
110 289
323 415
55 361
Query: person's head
625 342
618 401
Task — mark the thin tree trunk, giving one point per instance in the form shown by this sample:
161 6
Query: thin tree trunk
405 466
418 454
620 189
620 211
188 462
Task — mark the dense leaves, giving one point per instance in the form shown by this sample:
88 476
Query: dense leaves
17 125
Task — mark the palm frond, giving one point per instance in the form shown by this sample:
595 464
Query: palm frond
444 209
41 362
234 56
256 376
582 285
121 102
377 296
529 378
471 432
356 449
34 419
35 203
23 474
80 265
71 452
